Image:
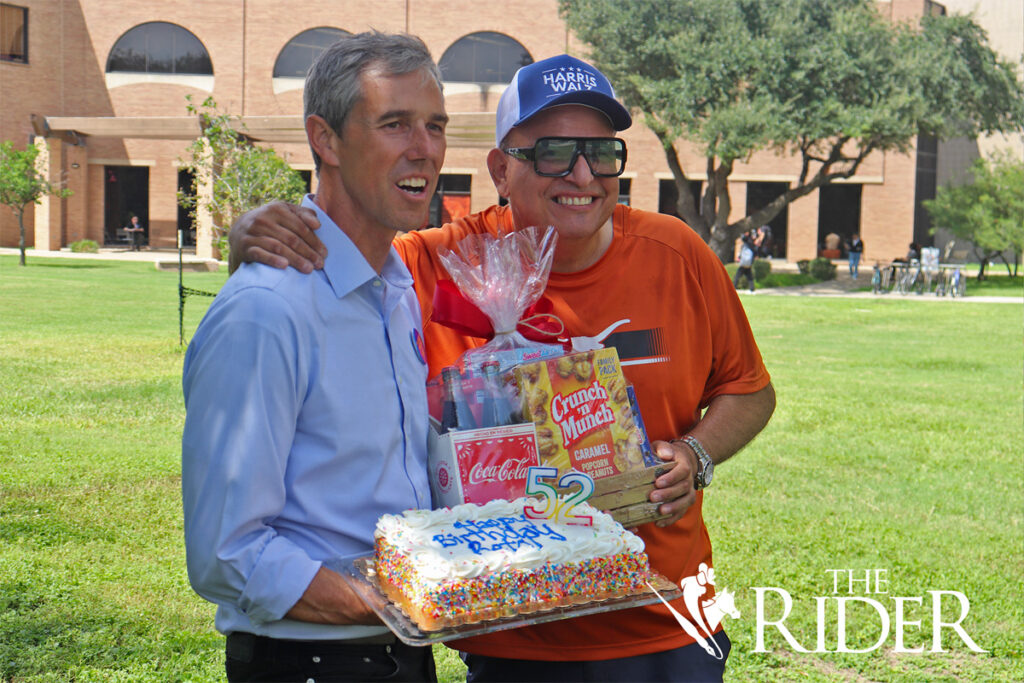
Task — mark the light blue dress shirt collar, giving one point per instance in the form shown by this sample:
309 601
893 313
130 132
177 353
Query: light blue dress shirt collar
350 269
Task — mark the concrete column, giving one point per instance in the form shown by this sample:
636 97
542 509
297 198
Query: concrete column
802 232
49 211
76 206
204 219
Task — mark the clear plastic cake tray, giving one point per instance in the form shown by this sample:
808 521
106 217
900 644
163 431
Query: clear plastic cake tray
361 576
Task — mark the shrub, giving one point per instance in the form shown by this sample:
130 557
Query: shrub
804 266
762 268
787 280
220 243
822 269
85 247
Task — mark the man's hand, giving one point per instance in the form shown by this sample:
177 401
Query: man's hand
329 600
278 235
729 424
674 489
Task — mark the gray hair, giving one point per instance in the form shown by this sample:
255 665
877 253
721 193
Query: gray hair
333 85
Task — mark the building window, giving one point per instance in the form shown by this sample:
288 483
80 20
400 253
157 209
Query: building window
301 51
760 195
838 214
451 201
13 34
668 195
158 47
484 57
625 186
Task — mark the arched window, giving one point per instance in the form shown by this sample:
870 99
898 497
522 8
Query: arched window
158 47
301 51
484 57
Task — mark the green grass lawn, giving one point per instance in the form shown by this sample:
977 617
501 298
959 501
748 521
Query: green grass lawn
897 445
996 284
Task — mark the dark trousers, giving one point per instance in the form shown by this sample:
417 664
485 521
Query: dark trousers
136 236
685 664
258 658
746 272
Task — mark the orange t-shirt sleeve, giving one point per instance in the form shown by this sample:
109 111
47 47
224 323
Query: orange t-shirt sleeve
737 366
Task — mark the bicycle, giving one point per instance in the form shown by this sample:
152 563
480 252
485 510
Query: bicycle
957 284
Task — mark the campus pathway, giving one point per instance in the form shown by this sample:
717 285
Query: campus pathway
846 287
842 286
116 254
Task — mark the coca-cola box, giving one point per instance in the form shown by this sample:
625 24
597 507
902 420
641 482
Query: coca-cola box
479 465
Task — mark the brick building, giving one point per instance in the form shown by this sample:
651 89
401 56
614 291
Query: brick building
100 86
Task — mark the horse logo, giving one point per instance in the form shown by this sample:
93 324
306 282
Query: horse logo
705 615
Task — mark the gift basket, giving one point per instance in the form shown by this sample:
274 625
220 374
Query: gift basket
523 398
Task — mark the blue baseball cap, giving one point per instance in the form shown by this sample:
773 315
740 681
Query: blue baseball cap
552 82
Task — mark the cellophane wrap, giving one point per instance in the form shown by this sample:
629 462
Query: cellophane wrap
503 276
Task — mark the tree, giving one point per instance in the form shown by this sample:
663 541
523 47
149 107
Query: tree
988 211
242 176
826 82
22 183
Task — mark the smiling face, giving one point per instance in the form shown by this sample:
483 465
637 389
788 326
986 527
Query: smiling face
579 205
379 173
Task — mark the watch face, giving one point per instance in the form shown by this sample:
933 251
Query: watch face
705 472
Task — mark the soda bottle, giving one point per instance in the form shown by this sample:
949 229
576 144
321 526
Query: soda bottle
455 414
497 409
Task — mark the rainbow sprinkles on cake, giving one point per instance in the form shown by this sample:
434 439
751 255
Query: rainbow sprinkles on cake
471 563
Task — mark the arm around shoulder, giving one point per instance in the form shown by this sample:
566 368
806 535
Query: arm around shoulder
278 235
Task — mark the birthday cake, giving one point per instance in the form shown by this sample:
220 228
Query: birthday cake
471 562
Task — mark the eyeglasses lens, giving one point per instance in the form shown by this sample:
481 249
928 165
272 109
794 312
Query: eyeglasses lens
603 156
555 156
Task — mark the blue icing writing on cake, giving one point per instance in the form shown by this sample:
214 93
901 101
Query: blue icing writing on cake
503 533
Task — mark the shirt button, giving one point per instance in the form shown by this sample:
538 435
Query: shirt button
310 680
376 283
316 660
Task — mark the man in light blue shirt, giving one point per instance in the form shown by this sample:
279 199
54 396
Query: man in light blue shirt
306 407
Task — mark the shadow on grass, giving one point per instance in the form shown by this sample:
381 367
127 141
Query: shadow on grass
77 265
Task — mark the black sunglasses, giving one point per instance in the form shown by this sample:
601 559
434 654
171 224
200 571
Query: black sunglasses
556 157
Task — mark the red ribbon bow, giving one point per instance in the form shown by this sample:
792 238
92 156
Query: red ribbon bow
455 311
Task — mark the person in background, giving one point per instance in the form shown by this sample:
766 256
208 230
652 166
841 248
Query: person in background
306 409
135 232
765 242
639 281
745 269
854 250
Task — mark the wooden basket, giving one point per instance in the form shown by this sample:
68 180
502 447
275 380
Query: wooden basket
626 496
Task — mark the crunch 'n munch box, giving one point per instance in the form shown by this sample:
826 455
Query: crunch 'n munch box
581 409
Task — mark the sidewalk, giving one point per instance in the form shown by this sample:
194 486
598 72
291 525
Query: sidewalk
155 256
846 287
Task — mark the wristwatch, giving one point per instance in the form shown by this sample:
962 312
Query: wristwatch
705 466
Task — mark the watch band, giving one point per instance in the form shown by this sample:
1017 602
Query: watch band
705 465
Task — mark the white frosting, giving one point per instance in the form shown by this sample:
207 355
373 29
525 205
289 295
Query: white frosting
468 540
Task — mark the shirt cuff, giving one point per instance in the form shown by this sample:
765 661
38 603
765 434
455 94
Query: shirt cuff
278 581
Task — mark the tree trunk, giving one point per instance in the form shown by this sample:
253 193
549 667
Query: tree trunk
723 243
21 235
1010 270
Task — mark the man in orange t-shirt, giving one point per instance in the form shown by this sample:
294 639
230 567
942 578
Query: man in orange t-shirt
642 282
